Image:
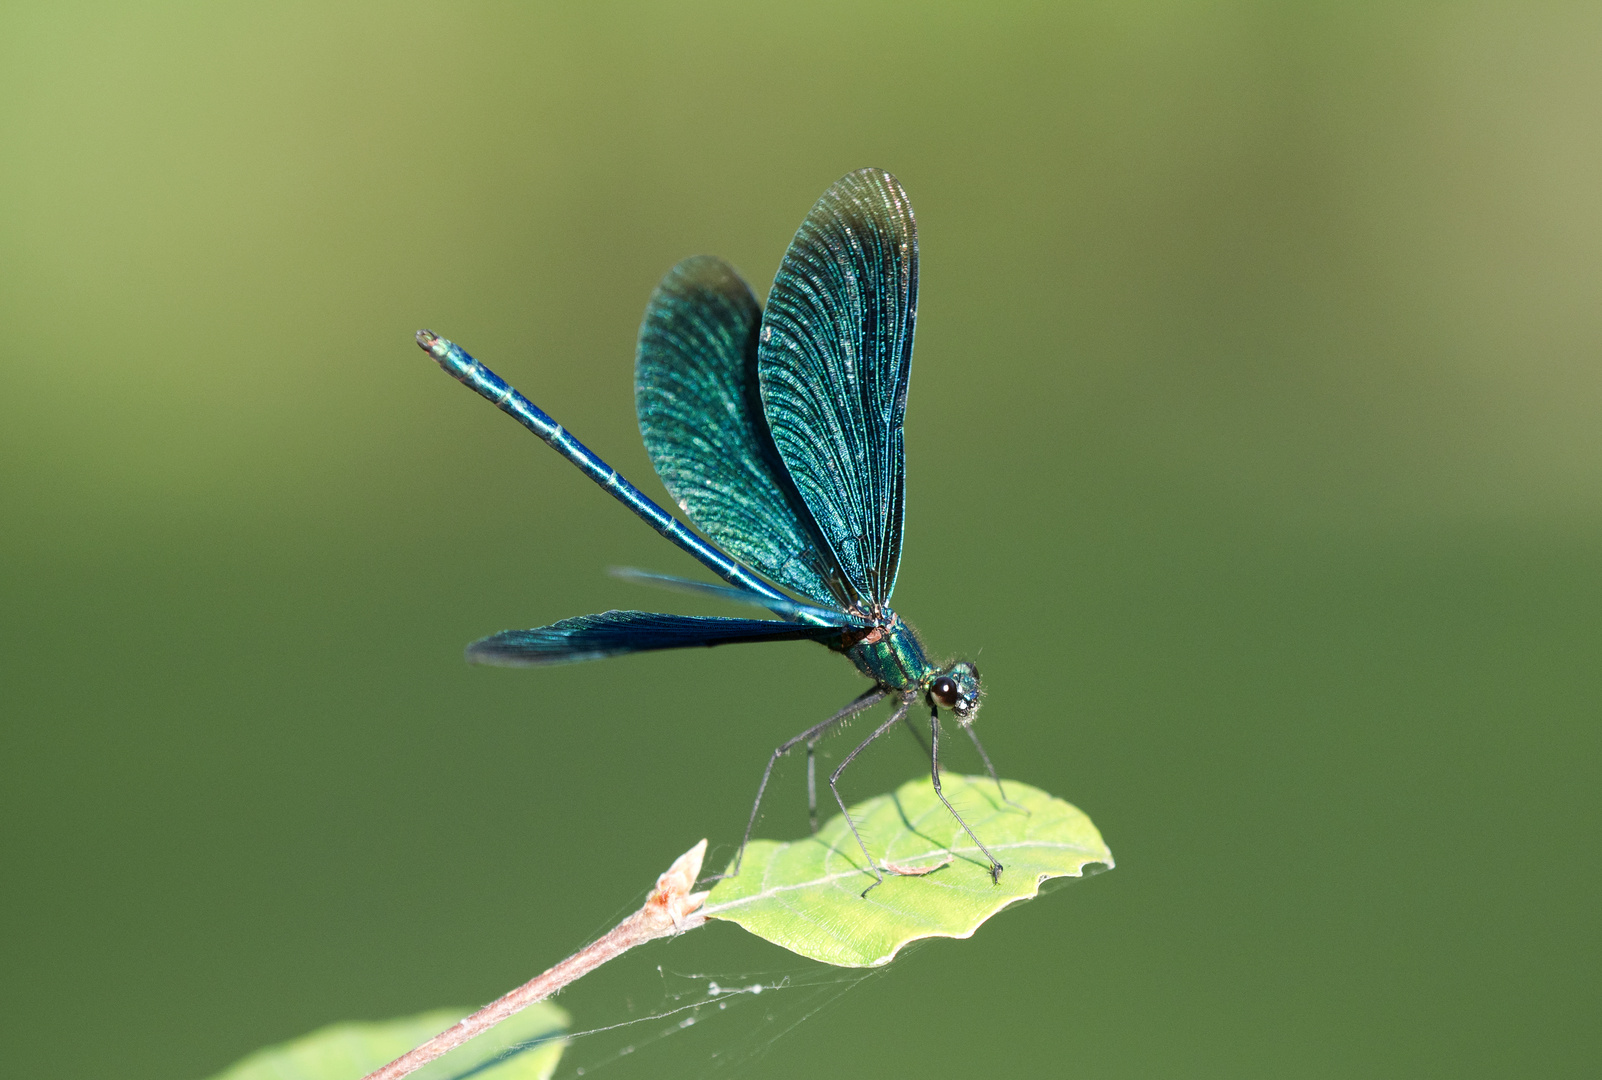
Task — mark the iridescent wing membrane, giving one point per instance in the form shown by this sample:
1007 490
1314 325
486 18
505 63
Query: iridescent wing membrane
779 435
833 361
612 633
695 392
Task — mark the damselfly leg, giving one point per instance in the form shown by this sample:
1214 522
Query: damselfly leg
834 778
810 736
934 772
813 734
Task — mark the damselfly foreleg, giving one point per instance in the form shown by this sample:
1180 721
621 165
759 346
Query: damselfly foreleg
934 772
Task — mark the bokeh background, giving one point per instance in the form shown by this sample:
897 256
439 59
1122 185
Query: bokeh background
1254 448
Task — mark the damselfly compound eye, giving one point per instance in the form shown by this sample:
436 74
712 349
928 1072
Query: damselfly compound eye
944 691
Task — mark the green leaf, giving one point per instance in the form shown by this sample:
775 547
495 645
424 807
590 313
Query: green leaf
805 895
351 1051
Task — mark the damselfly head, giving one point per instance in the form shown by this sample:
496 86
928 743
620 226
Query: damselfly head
957 689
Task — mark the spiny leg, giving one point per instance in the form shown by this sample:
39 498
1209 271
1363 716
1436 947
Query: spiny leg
991 769
812 746
866 700
812 772
895 718
934 771
811 790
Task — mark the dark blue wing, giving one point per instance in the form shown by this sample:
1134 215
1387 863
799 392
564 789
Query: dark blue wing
695 392
612 633
834 356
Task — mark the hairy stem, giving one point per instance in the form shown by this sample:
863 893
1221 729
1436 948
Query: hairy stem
670 909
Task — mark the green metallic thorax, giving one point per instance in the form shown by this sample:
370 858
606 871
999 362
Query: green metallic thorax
892 656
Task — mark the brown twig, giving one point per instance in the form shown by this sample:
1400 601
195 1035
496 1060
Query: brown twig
670 909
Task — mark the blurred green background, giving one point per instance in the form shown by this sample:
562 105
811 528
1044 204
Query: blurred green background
1253 447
